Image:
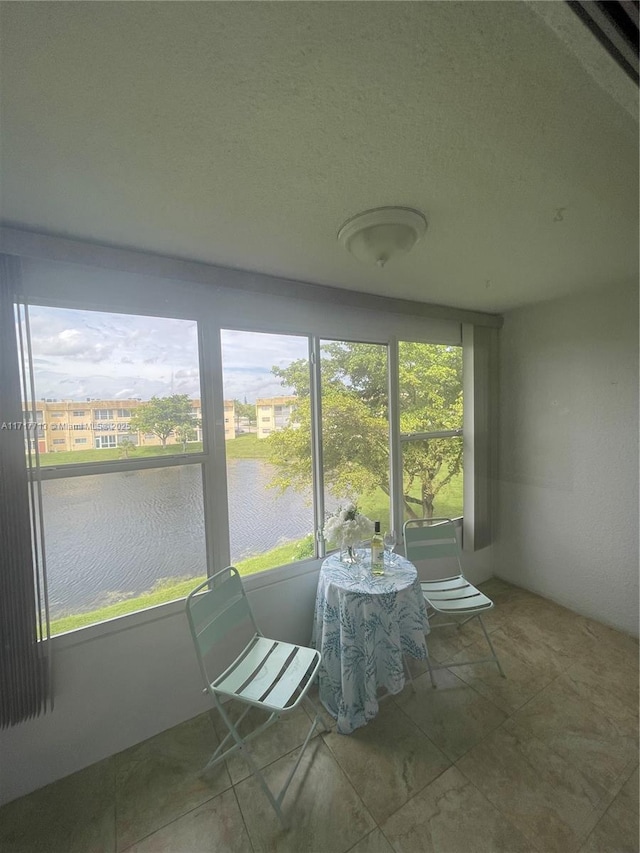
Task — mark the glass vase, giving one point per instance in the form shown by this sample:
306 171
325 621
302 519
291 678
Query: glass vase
348 555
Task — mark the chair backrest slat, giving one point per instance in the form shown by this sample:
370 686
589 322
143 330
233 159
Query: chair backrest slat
215 608
420 529
205 604
430 550
431 539
221 623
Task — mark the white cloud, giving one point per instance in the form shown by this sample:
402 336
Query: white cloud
137 354
248 357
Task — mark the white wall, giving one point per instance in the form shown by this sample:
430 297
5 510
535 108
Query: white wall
568 453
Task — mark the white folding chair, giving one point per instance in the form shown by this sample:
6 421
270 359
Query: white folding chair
266 674
434 539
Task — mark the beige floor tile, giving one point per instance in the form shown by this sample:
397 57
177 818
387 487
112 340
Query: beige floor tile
543 796
453 715
612 692
559 771
495 588
504 596
388 760
618 830
325 814
74 815
215 826
451 816
446 641
604 649
162 779
554 630
527 668
375 842
282 737
611 682
547 645
556 770
564 718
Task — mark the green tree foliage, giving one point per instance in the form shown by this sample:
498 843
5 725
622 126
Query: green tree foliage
126 445
245 410
355 427
163 415
185 433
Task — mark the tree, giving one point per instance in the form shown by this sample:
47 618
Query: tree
162 415
355 428
126 445
185 433
244 410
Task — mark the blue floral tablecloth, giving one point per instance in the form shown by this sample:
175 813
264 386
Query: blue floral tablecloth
363 624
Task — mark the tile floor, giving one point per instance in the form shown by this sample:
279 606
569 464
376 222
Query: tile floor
544 761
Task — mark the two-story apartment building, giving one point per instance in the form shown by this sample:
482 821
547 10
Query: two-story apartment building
273 413
68 425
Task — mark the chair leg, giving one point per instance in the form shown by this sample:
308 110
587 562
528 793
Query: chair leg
493 651
319 716
241 745
246 754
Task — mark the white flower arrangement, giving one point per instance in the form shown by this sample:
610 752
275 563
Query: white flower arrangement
347 526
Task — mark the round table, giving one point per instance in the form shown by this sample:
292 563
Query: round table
363 626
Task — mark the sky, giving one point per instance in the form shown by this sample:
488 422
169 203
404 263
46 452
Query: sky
93 354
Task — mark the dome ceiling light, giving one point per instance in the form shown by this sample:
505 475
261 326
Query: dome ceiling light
377 235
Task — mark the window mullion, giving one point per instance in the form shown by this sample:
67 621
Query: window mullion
395 451
316 442
216 505
81 469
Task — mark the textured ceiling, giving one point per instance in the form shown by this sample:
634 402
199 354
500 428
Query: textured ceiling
244 134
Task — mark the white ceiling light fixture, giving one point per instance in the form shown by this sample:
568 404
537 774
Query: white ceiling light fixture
376 236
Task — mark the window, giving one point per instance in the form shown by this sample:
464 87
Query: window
269 475
103 414
105 441
131 536
355 427
57 414
127 439
136 379
146 541
430 401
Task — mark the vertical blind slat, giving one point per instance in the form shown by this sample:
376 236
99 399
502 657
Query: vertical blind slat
24 685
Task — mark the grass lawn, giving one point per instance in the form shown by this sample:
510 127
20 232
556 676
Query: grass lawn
108 454
247 446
